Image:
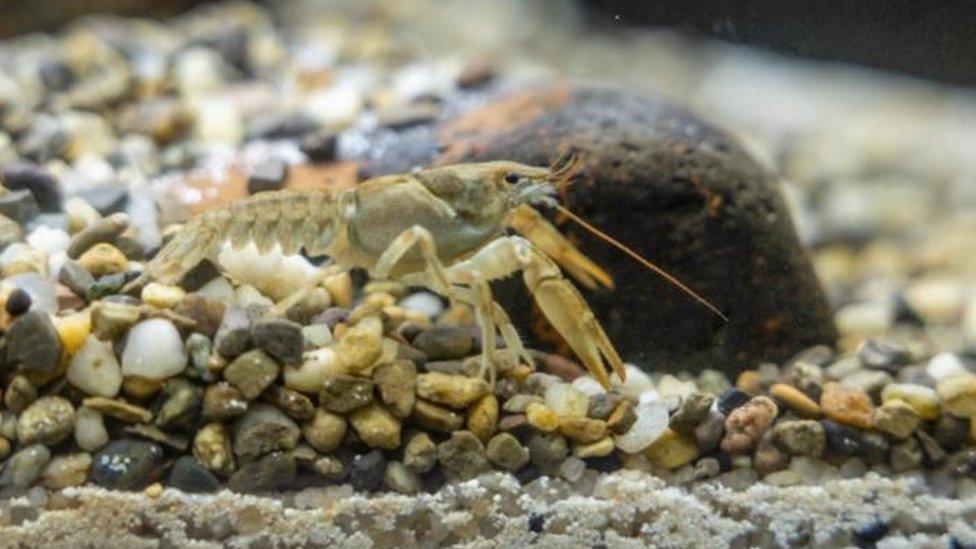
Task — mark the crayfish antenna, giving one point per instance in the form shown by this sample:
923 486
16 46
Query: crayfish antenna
641 260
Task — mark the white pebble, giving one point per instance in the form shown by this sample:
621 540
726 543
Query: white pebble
48 240
218 289
652 420
572 468
945 365
637 382
154 350
938 300
670 385
588 386
315 368
425 303
566 401
864 319
90 433
316 336
648 396
94 369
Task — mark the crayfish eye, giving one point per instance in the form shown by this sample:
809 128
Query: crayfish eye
512 178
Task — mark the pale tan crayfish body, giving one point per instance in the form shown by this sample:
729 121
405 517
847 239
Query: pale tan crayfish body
444 228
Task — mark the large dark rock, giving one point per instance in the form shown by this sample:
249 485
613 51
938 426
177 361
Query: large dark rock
678 190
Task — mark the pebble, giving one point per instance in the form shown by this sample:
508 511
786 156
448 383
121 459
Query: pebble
94 369
800 438
376 426
42 185
444 342
126 464
251 373
958 395
76 278
18 302
847 405
344 393
896 418
268 175
90 433
367 471
396 383
547 451
730 400
795 400
693 410
400 479
745 425
841 439
923 400
212 448
713 381
652 420
482 418
541 417
906 455
20 394
436 418
205 311
282 339
162 295
506 452
180 405
601 448
119 409
420 453
103 259
109 320
768 457
672 450
879 354
455 391
189 476
264 429
25 466
622 418
154 350
233 336
321 147
933 455
67 470
565 400
293 403
317 366
462 456
945 365
360 346
324 431
222 401
33 344
19 206
48 420
953 433
264 475
582 429
601 405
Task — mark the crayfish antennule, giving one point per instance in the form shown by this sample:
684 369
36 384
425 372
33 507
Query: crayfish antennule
566 166
640 259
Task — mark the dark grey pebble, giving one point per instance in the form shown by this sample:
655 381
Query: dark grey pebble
179 404
280 338
264 429
732 399
106 229
281 126
963 464
18 302
331 316
951 432
107 199
320 146
18 176
875 448
76 278
25 466
932 454
366 471
190 476
871 531
126 464
268 175
547 451
536 522
709 432
879 354
406 352
344 393
33 344
106 286
264 475
19 206
444 342
233 336
841 439
606 464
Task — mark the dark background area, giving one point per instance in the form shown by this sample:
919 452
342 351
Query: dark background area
932 39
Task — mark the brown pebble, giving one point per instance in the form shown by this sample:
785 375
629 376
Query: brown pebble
749 382
582 429
563 367
848 405
622 417
435 418
747 423
482 418
796 400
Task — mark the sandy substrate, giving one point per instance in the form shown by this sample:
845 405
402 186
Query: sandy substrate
626 509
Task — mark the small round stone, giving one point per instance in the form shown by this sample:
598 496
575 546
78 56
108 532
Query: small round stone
324 431
482 417
462 456
420 453
896 418
154 350
25 466
652 420
506 452
847 405
264 429
565 400
958 395
731 399
541 417
18 302
212 448
547 451
376 426
103 259
49 420
672 450
268 473
190 476
126 464
923 400
795 400
367 471
400 479
94 369
693 410
746 424
90 433
800 438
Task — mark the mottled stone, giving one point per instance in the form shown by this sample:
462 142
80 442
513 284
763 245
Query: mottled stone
896 418
280 338
444 342
190 476
420 453
180 404
396 383
462 456
344 393
212 448
692 411
324 431
222 401
366 471
293 403
251 373
33 344
25 466
264 475
482 418
672 450
436 418
264 429
847 405
48 420
376 426
746 424
506 452
455 391
800 438
126 464
119 409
